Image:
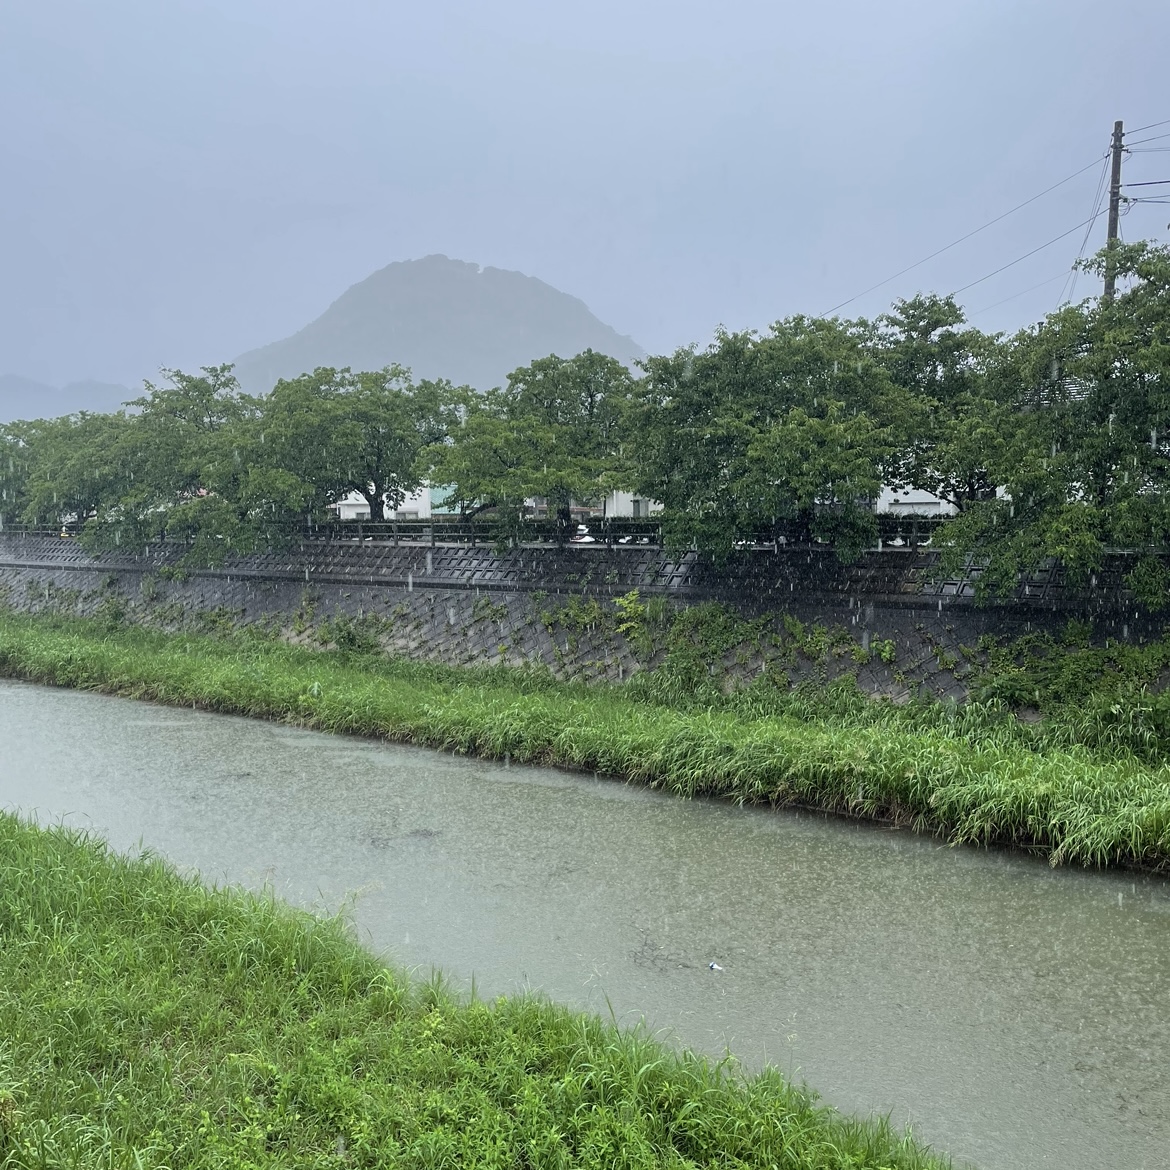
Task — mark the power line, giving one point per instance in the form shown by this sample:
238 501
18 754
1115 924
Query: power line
1070 285
1153 138
1151 126
1023 292
961 239
1020 259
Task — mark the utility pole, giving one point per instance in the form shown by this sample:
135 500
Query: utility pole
1114 213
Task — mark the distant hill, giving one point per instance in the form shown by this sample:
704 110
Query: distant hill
442 318
26 398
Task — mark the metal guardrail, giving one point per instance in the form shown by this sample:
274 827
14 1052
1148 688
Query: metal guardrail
457 530
894 533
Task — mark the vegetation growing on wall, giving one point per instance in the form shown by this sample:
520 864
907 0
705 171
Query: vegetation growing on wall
1090 791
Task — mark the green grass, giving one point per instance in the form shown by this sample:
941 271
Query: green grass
968 774
149 1022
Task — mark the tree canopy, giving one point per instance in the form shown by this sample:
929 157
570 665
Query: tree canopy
1051 444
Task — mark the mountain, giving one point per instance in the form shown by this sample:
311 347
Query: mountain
444 319
26 398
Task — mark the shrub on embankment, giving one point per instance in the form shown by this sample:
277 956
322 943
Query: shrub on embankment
147 1021
965 773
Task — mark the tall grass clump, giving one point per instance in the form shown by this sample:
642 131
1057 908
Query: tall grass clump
147 1021
973 775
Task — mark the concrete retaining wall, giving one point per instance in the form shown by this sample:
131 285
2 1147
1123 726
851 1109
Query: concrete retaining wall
464 605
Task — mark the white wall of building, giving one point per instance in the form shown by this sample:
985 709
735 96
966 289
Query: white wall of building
628 505
912 502
416 506
625 505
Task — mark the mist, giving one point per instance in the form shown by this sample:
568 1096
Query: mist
189 181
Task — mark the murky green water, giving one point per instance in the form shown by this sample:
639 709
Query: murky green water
1018 1016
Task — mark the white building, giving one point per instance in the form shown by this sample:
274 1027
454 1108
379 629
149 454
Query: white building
912 502
626 505
428 501
416 506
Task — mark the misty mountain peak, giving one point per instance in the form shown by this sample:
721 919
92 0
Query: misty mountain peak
442 318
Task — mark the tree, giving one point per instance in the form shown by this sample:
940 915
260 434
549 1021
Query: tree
385 423
555 432
1086 461
323 435
797 425
15 458
955 431
173 455
77 471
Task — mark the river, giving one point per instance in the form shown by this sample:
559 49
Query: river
1016 1015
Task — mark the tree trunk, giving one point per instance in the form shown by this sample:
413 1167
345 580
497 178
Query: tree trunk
377 505
564 522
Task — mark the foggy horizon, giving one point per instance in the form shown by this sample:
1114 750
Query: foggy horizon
192 183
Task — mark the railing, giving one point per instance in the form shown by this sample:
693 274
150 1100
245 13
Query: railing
460 530
897 533
894 532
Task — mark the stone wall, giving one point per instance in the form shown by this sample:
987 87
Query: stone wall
556 607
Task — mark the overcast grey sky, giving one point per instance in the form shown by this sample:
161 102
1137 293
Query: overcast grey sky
187 179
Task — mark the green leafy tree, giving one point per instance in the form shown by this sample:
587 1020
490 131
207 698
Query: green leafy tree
797 425
555 432
171 455
1086 461
77 470
16 441
386 422
323 435
955 430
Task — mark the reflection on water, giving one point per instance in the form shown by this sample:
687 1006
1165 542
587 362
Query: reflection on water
1018 1016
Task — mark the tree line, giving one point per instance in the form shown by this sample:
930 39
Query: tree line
1051 443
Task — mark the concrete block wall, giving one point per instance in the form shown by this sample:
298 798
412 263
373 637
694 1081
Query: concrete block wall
460 605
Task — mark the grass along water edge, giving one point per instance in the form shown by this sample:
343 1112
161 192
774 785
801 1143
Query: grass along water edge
147 1021
945 776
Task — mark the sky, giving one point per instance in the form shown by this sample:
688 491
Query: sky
186 180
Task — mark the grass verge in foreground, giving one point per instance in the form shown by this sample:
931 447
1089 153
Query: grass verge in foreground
951 777
148 1022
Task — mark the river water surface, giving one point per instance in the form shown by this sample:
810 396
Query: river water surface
1017 1016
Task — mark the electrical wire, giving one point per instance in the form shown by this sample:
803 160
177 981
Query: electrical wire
1153 138
1023 292
1070 285
961 239
1020 259
1074 272
1151 126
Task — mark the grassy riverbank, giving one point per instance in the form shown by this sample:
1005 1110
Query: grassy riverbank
971 774
147 1022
